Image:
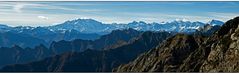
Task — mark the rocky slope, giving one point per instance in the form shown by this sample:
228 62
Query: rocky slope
218 53
165 58
221 50
182 53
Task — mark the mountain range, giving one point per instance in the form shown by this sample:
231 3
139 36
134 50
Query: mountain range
93 26
86 45
86 29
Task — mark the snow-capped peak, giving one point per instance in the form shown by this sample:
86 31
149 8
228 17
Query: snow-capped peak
93 26
215 22
182 20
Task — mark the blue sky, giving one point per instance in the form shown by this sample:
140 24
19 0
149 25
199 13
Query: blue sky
50 13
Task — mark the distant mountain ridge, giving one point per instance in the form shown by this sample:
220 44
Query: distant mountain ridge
89 29
93 26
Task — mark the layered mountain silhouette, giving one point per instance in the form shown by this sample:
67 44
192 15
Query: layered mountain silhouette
116 37
93 60
17 54
22 36
188 53
9 39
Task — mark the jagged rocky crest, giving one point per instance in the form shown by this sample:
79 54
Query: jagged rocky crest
183 53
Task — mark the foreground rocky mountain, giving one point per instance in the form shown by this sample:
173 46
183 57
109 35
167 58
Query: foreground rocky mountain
219 53
93 60
185 53
167 57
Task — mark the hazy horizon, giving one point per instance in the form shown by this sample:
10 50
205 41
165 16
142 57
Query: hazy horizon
162 22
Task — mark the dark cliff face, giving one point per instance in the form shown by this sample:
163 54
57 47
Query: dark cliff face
217 53
225 52
93 60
